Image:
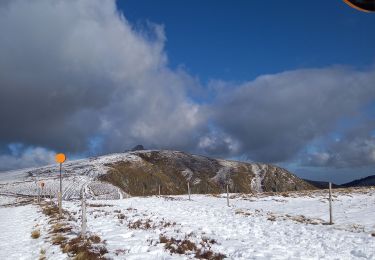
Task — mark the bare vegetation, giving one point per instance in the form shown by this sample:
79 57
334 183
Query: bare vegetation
188 247
79 248
35 234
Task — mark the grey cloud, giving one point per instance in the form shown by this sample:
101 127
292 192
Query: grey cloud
275 116
355 149
73 70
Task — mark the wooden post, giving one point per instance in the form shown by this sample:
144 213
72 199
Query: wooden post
227 195
330 204
84 218
60 193
59 198
189 190
159 189
38 200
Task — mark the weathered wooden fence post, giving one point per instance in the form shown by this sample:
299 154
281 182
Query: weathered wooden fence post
330 204
84 217
38 197
59 198
188 189
227 195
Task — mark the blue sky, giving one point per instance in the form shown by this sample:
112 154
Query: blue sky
290 84
240 40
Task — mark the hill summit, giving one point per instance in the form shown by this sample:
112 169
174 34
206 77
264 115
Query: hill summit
173 169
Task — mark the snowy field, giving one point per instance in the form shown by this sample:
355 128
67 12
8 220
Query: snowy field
264 227
284 226
77 175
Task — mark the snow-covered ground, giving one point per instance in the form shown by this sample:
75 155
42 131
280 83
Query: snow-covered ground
256 228
77 175
253 227
16 225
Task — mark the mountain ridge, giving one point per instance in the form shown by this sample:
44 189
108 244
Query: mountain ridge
138 173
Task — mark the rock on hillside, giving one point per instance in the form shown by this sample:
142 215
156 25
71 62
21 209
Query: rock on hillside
172 170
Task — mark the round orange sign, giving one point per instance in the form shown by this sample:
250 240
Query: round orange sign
60 158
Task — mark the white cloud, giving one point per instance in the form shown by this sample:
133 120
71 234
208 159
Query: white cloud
28 157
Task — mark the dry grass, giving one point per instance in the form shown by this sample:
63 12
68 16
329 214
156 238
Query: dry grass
95 239
185 246
61 228
35 234
58 239
98 205
42 255
141 224
81 248
121 216
77 248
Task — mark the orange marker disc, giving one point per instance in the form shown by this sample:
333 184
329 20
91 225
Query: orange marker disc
60 158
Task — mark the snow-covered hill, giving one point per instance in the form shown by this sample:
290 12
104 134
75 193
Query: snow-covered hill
141 172
76 175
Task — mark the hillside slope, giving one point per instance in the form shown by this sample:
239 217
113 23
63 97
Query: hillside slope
172 170
367 181
141 172
322 184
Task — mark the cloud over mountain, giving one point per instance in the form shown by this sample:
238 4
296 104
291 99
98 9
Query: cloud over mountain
76 76
75 70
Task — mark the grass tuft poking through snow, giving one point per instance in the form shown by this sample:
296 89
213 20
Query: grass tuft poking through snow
35 234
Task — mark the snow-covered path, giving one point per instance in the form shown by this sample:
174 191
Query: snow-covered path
16 225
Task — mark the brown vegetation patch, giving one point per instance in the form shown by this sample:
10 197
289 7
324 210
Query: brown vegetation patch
58 239
61 228
141 224
98 205
35 234
187 247
82 248
121 216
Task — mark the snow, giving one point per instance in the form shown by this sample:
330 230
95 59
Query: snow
242 231
76 175
16 225
256 226
256 182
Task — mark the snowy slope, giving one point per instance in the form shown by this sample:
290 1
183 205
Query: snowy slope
264 227
76 175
